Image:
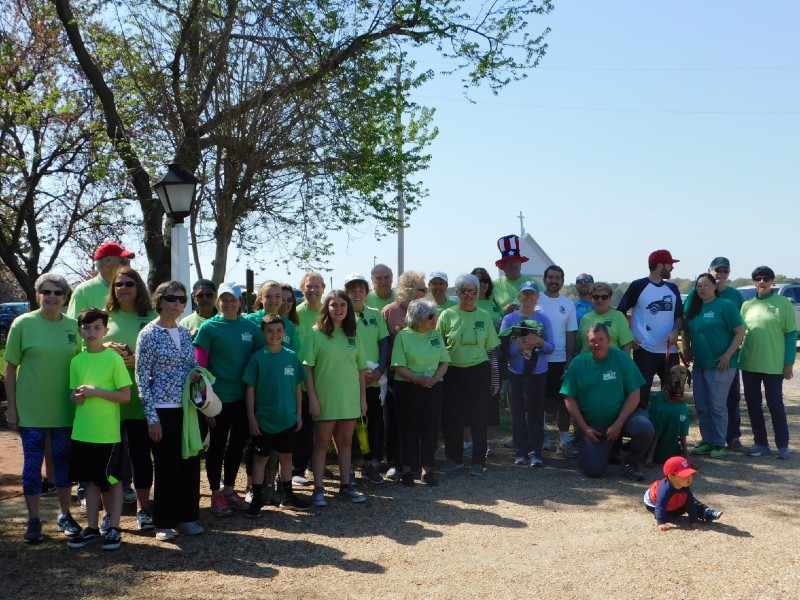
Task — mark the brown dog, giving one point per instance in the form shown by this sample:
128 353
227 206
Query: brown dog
672 389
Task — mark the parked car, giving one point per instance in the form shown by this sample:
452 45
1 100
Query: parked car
790 290
8 312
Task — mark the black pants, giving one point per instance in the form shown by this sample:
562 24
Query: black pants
139 449
177 480
391 429
303 442
418 411
651 364
375 425
466 395
228 439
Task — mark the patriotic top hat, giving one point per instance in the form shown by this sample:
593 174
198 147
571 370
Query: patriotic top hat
509 248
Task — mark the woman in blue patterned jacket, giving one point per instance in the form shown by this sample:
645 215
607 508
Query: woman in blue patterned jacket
165 359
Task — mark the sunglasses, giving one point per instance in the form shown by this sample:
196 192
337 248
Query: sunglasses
121 284
467 292
600 297
173 298
54 292
584 280
762 278
205 295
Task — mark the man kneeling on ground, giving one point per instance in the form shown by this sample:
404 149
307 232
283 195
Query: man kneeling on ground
601 389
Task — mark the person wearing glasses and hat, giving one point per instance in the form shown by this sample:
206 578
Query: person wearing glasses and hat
437 286
583 305
108 258
204 291
657 321
506 287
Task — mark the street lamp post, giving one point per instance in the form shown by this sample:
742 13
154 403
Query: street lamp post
176 190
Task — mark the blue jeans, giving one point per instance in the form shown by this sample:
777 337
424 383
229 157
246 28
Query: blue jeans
773 390
593 458
711 387
526 404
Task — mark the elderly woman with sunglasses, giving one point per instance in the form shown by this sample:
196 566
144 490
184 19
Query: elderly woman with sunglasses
129 311
39 349
617 324
472 377
420 360
165 358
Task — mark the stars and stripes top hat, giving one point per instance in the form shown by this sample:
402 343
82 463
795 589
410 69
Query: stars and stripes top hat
509 248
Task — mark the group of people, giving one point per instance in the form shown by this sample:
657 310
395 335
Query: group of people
106 390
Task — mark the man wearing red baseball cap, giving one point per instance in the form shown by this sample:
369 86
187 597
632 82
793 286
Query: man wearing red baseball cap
108 258
657 319
670 497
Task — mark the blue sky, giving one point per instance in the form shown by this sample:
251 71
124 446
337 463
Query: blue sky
648 125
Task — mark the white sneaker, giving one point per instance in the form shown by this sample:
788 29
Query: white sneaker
166 535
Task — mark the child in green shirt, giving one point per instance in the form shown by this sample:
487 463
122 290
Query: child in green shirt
100 383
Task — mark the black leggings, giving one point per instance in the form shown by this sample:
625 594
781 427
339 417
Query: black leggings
177 480
227 442
139 450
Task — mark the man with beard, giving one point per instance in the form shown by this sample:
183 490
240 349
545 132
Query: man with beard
657 319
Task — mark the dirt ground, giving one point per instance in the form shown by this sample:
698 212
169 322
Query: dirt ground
517 532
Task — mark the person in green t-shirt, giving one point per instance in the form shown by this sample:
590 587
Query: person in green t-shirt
437 286
506 287
601 389
382 293
472 378
420 360
767 357
313 287
274 411
204 292
108 259
336 384
129 310
39 348
712 334
374 339
268 302
224 345
485 299
100 383
617 324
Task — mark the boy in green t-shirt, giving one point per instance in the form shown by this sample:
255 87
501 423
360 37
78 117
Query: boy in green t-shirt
100 383
274 411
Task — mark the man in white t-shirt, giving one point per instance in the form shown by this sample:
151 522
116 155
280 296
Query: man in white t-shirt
560 311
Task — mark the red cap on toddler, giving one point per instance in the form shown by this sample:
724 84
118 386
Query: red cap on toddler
677 465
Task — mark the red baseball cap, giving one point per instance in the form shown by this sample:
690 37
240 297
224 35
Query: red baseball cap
677 465
661 256
112 249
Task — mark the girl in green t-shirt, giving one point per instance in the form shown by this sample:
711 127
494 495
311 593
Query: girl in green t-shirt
336 389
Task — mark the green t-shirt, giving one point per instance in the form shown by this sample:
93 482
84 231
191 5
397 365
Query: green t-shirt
766 323
97 419
275 377
89 293
124 327
291 339
670 421
468 335
712 331
729 293
373 301
418 352
307 319
337 361
490 306
505 291
448 303
193 322
371 329
615 321
42 351
230 344
601 387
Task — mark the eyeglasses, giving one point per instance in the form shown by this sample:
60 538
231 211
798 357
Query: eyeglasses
172 298
119 284
581 280
761 278
201 295
600 296
431 317
54 292
468 292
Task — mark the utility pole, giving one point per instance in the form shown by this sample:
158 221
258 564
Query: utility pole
399 140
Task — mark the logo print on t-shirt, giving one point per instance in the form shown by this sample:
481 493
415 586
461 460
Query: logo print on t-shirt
708 315
288 371
562 310
72 338
609 376
247 336
351 342
478 324
435 342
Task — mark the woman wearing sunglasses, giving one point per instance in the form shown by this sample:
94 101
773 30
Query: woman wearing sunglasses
129 310
617 324
165 357
39 348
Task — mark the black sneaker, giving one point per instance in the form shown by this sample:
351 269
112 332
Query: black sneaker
407 479
253 510
84 538
113 539
33 534
48 487
430 479
67 524
632 472
294 502
712 515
